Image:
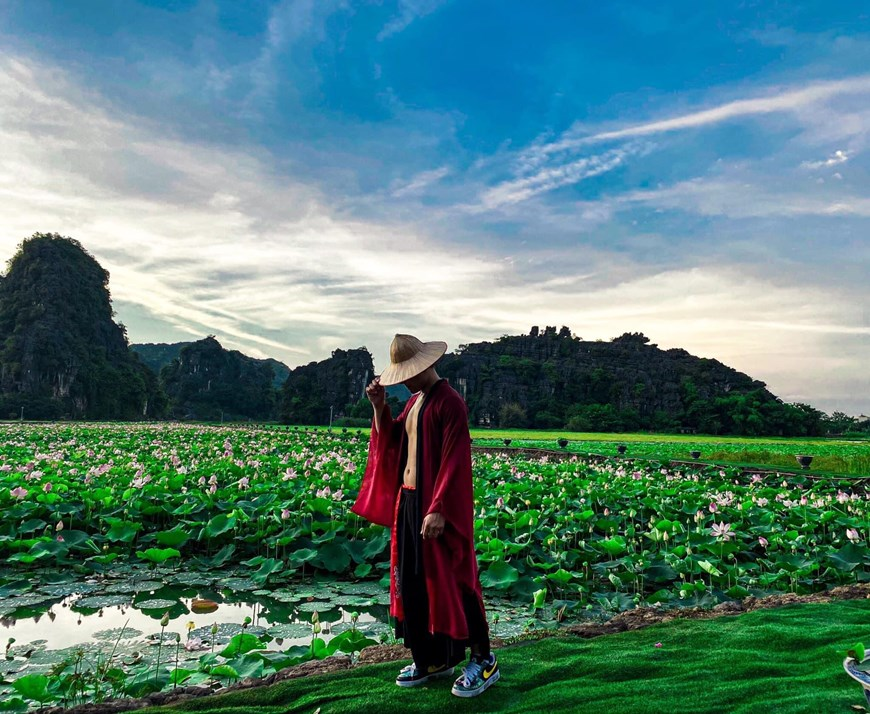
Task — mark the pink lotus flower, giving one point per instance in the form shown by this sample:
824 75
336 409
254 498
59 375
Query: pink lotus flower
212 488
763 542
193 644
59 526
47 487
722 531
18 493
60 539
712 508
852 535
499 503
658 645
285 514
244 482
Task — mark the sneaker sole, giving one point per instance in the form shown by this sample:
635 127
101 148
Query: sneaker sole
467 693
418 682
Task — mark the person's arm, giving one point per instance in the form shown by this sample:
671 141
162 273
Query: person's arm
378 397
380 482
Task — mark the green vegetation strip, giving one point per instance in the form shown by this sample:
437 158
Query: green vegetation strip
786 660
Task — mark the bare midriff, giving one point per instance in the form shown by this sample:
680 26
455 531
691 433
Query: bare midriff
410 479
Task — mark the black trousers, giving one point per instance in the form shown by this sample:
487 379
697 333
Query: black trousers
426 648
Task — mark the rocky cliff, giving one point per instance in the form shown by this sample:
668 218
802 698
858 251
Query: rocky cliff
337 383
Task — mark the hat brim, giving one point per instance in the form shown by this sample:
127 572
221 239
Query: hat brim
420 362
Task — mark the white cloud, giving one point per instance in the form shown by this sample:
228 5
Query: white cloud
204 238
552 177
789 100
211 239
734 199
420 182
838 157
409 10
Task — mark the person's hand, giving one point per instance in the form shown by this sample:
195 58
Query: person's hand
377 394
433 525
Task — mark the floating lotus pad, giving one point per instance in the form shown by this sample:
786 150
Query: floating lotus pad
286 596
98 602
351 601
156 604
123 633
288 631
225 632
193 580
67 589
134 586
236 584
318 605
370 588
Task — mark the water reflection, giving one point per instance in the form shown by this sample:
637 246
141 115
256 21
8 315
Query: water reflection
64 624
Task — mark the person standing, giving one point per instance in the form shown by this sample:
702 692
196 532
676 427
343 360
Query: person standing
418 483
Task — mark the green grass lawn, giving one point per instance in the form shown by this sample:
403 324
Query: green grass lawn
785 661
655 438
831 456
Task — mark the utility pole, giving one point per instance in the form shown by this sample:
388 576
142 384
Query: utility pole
22 413
330 417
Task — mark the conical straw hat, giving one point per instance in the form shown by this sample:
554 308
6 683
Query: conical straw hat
409 357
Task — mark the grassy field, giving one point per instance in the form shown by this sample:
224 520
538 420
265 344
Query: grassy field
836 456
532 434
787 661
830 456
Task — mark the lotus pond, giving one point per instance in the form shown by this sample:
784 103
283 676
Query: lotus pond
142 557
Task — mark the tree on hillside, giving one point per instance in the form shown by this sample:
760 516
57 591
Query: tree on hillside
61 352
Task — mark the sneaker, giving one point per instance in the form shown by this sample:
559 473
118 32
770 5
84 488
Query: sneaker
477 677
410 676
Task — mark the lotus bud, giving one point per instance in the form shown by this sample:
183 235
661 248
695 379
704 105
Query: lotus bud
214 629
164 621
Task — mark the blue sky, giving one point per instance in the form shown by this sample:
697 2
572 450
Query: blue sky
302 175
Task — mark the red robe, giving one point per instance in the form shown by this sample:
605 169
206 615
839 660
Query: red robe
445 487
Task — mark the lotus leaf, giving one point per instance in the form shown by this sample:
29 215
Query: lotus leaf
98 602
362 570
314 605
174 538
240 644
158 555
156 604
219 525
33 687
499 575
124 531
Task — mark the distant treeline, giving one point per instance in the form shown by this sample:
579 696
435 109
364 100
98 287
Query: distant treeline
62 355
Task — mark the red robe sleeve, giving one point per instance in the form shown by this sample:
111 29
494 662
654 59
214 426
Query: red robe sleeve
380 484
453 495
